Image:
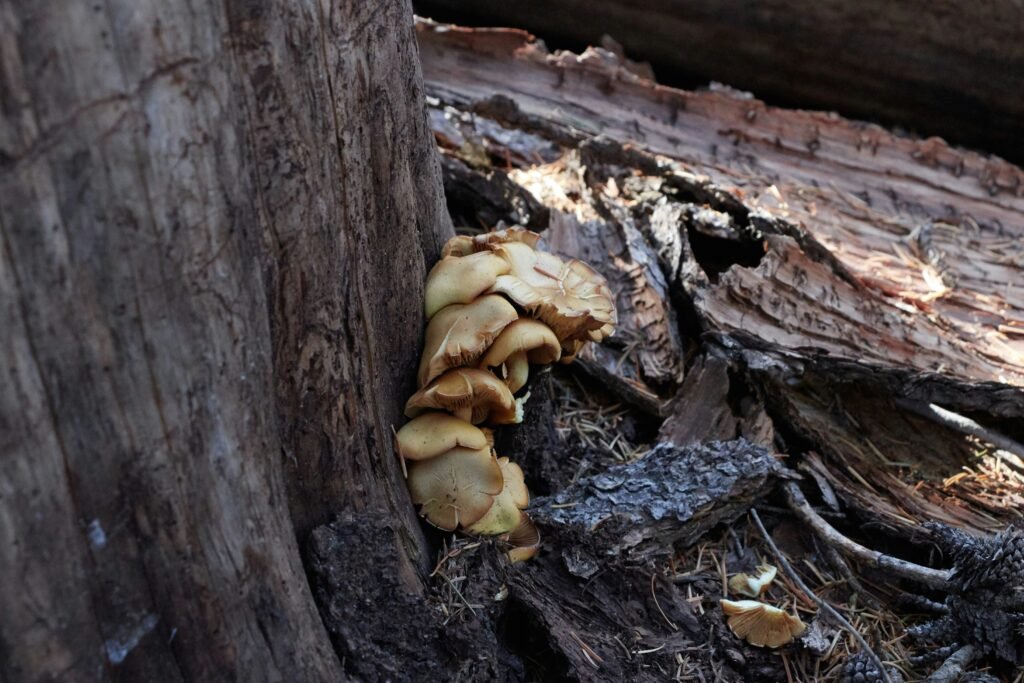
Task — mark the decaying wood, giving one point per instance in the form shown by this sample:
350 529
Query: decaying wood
791 278
948 68
671 495
205 211
812 263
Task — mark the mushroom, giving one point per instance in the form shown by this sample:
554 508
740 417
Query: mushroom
571 297
459 280
753 586
457 487
523 342
459 334
760 624
524 539
470 394
432 434
507 509
463 245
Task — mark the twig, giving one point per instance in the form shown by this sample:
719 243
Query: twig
966 425
933 578
953 667
824 606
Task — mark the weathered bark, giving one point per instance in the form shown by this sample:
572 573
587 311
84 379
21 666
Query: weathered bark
942 68
206 211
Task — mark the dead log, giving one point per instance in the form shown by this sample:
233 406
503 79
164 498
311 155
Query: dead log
835 266
820 280
954 70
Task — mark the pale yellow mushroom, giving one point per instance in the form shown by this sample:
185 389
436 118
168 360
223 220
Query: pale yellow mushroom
506 511
432 434
459 334
456 488
470 394
760 624
459 280
753 586
523 342
572 298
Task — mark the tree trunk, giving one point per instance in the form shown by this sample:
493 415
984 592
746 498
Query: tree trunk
946 68
216 220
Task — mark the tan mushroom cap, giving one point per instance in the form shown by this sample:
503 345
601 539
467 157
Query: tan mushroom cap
463 245
432 434
470 394
459 280
753 586
459 334
524 539
505 512
523 342
760 624
457 487
572 298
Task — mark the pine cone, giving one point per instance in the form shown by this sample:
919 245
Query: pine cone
860 669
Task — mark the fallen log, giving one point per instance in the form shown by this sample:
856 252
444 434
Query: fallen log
804 282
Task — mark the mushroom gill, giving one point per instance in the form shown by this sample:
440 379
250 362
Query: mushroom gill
470 394
760 624
523 342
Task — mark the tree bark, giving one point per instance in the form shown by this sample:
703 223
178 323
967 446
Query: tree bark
940 68
216 219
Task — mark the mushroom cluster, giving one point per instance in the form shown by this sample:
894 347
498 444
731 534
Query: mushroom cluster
495 305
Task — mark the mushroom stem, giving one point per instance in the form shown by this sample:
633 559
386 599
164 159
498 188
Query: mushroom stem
517 371
464 414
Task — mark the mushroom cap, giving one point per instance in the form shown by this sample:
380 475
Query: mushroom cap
487 396
463 245
459 280
505 512
570 296
459 334
457 487
524 335
432 434
753 586
760 624
525 540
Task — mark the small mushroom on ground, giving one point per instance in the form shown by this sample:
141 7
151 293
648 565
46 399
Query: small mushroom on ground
459 334
459 280
760 624
457 487
470 394
507 509
523 342
753 586
432 434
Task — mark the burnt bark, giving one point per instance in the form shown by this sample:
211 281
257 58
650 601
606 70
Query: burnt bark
206 211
